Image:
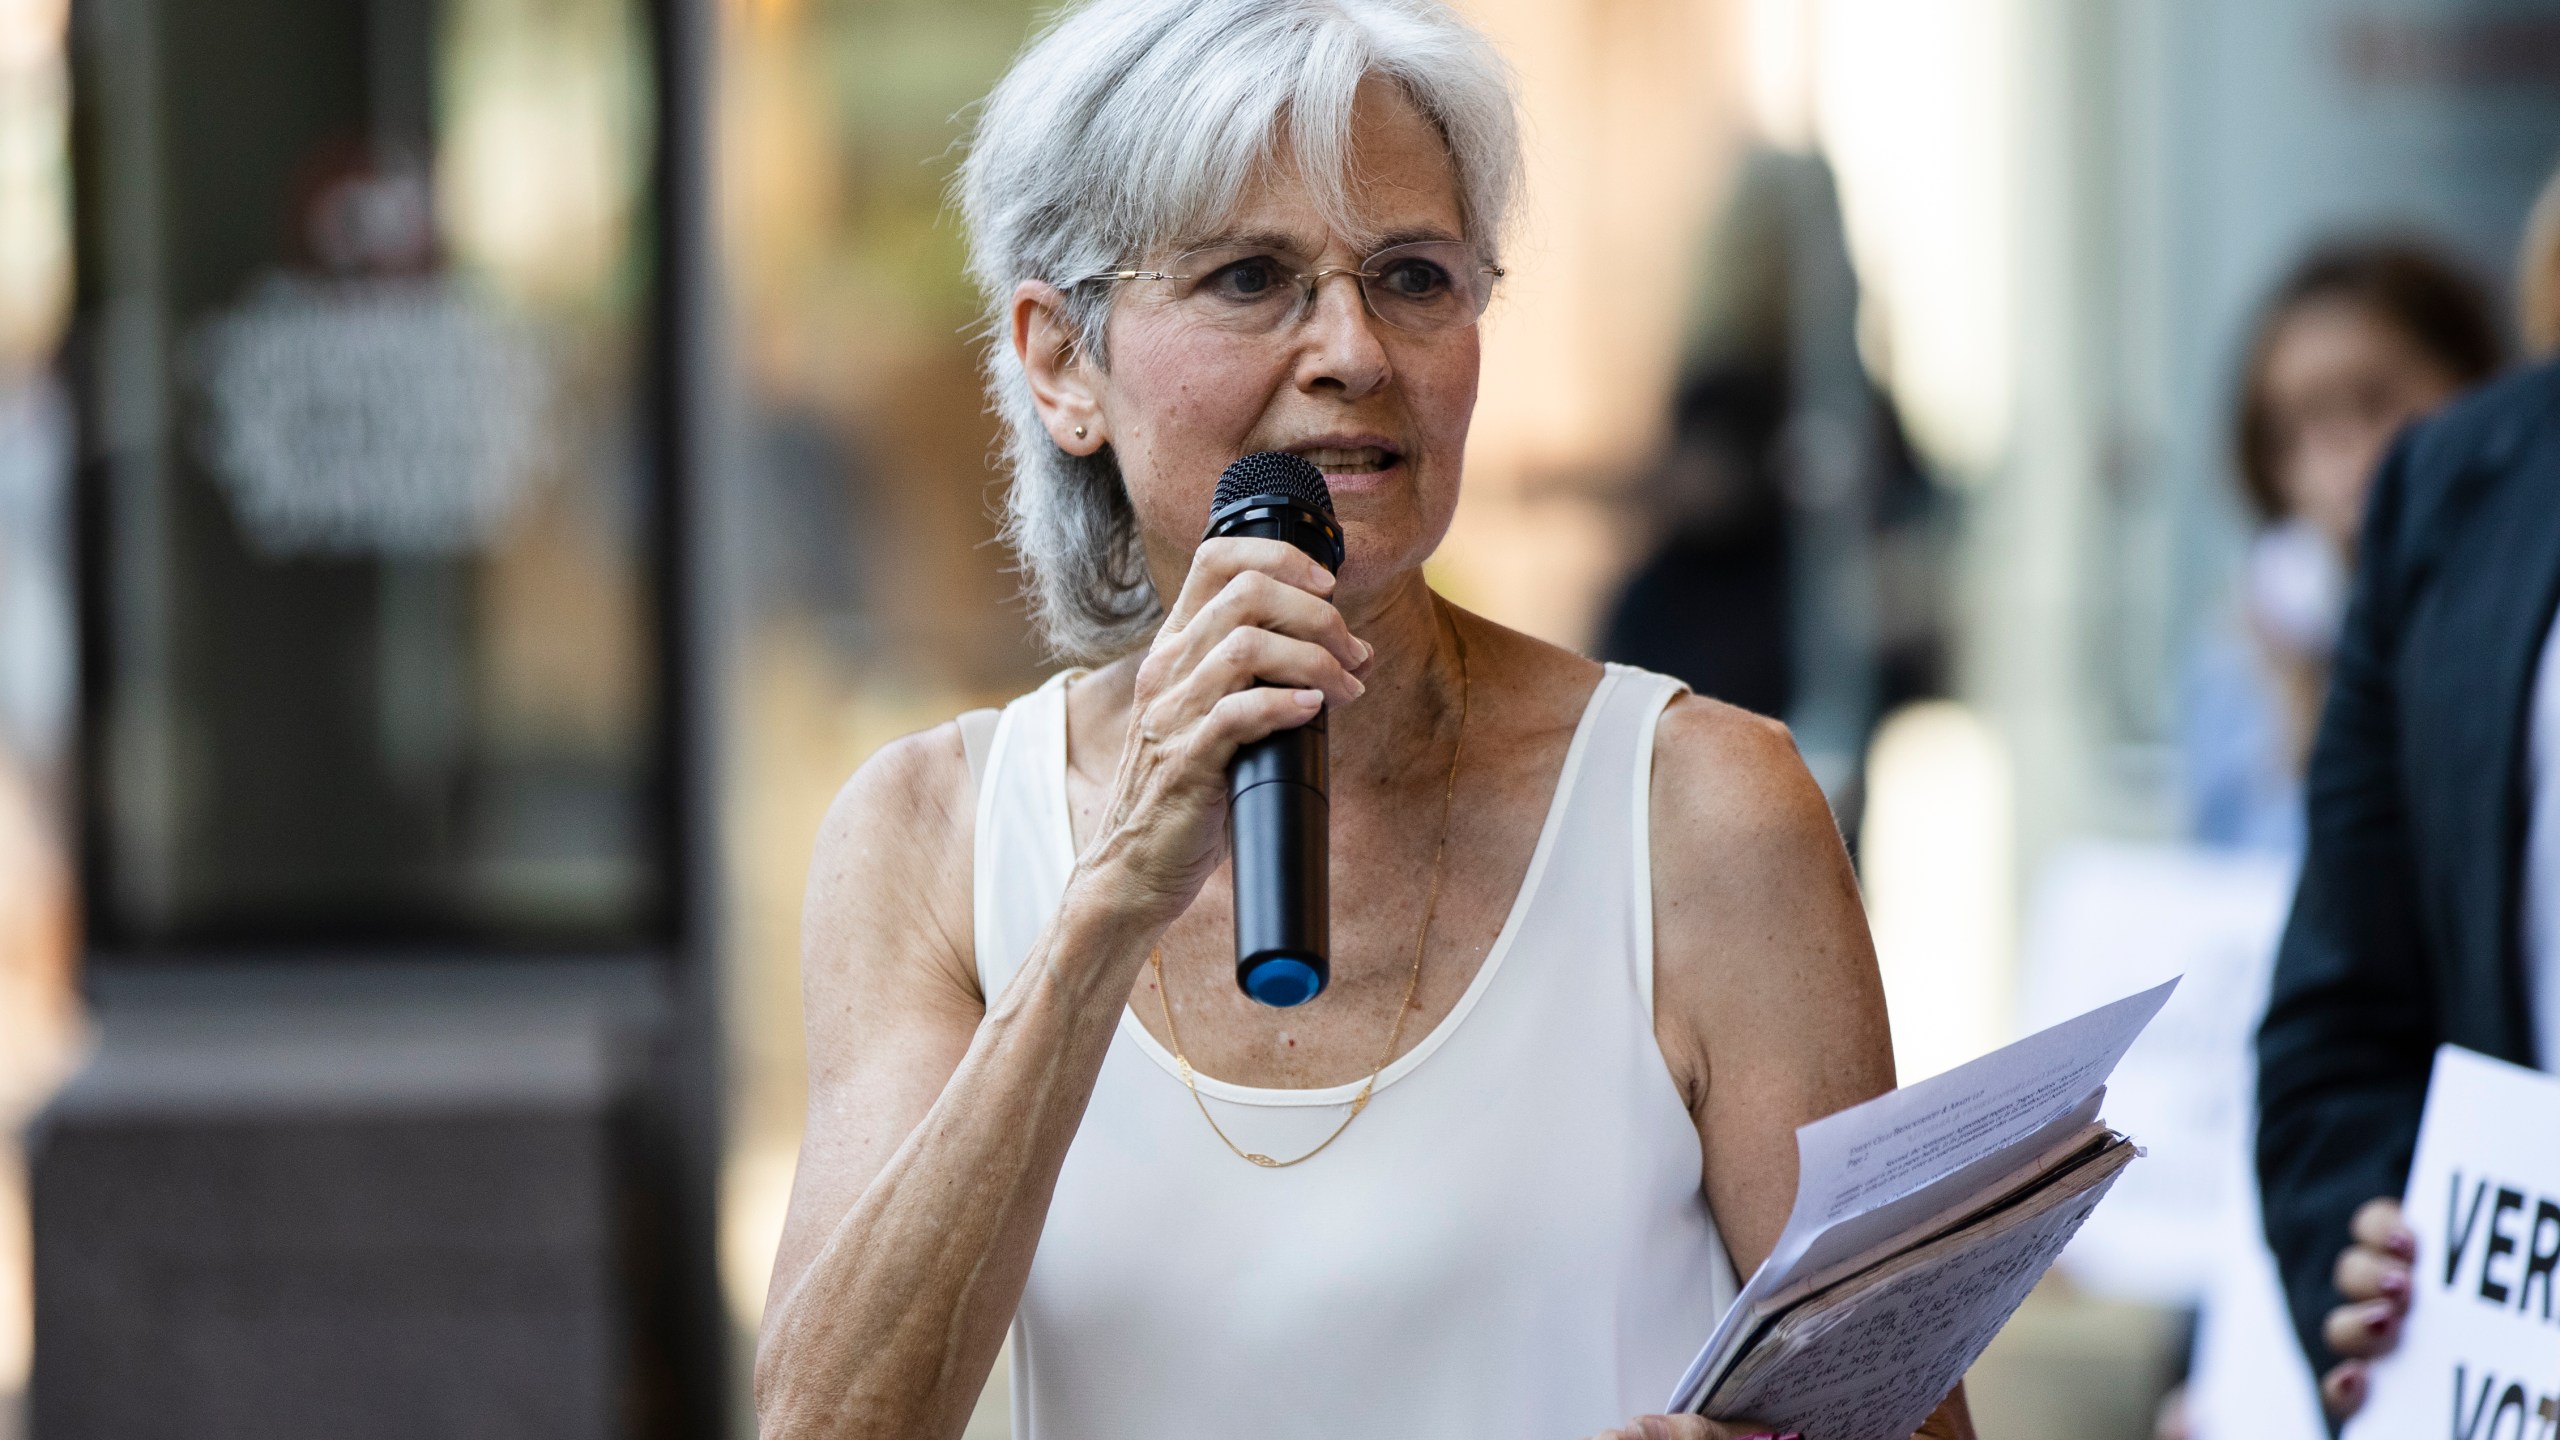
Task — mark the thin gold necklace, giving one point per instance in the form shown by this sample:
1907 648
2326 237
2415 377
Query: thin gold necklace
1421 937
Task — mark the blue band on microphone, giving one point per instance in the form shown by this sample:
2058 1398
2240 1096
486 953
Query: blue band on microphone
1281 982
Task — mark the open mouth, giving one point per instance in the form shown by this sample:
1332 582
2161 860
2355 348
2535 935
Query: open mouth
1361 460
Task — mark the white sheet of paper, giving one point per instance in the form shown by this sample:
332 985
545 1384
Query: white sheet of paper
2481 1344
1869 1170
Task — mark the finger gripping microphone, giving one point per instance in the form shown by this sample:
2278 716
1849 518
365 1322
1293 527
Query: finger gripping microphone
1278 825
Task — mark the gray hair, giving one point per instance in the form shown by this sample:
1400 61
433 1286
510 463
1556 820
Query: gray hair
1123 128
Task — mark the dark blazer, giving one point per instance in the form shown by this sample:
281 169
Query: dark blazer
2404 931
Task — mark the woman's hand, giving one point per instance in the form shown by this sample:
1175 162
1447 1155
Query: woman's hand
2373 1273
1251 647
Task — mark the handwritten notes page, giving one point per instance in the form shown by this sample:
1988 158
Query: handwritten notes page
1869 1359
1881 1179
2481 1351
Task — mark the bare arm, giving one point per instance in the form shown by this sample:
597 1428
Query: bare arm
1767 1003
936 1124
937 1120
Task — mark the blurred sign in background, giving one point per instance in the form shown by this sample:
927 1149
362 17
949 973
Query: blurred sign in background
352 342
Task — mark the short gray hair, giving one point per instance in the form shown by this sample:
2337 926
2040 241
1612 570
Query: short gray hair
1123 127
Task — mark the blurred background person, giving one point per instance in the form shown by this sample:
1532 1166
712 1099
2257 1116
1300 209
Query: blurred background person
1712 600
1787 480
2538 275
2361 338
2429 908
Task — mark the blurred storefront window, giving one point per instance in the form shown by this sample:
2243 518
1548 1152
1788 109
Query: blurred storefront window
373 482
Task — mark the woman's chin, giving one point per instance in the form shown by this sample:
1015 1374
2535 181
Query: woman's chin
1374 567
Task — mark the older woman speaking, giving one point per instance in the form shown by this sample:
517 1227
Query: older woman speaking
1597 950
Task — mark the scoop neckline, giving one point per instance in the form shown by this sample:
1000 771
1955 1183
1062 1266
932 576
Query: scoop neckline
1063 837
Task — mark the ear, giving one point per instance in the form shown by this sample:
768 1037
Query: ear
1065 387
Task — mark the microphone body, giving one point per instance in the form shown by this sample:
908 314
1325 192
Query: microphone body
1279 828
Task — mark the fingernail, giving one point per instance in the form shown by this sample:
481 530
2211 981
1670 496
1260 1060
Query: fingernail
1366 649
2352 1381
1357 688
1311 698
2404 1243
2380 1318
2394 1283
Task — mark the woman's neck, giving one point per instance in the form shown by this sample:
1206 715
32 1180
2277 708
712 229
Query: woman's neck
1406 717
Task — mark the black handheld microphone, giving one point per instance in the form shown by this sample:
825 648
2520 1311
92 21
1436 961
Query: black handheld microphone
1278 823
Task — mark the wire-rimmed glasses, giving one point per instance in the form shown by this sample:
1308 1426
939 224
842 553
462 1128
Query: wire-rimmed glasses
1421 287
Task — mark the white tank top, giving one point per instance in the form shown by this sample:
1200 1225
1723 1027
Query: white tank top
1510 1242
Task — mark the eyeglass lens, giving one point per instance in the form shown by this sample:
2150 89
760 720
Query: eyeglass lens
1426 286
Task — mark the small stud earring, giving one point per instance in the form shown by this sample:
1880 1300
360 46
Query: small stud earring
1079 432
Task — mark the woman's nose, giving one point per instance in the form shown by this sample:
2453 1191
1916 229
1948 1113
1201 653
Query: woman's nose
1339 345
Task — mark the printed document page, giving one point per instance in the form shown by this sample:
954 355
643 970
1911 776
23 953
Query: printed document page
1879 1168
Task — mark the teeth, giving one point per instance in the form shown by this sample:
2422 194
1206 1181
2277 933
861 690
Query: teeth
1347 462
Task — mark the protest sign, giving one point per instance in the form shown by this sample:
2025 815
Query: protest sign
2480 1357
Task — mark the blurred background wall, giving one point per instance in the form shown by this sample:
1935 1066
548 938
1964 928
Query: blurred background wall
1934 460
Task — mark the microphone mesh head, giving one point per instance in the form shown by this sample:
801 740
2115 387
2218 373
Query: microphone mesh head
1273 472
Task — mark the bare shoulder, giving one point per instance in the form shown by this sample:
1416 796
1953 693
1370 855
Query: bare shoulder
1728 783
889 879
918 781
1760 937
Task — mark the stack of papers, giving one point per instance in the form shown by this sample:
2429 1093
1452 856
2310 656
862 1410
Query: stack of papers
1922 1219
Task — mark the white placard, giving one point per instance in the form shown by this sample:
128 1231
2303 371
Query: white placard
2481 1351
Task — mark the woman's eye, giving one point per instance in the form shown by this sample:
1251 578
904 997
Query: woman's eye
1253 279
1415 279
